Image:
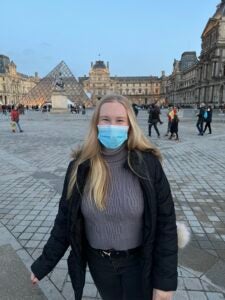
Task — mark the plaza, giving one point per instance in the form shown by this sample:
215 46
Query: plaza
33 166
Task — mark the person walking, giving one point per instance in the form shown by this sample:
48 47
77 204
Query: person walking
83 109
154 119
170 116
174 125
15 118
208 120
200 120
116 213
135 109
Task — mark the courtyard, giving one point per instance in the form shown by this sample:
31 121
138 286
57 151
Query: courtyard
33 165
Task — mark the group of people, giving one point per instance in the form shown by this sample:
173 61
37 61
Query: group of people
77 108
204 118
173 120
203 123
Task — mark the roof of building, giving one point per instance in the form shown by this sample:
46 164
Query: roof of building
3 56
220 12
99 64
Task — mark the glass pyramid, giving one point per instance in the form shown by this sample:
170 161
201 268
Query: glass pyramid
59 79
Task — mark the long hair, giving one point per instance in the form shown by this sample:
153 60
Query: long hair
98 177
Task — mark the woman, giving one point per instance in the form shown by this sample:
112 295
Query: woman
208 119
116 212
174 125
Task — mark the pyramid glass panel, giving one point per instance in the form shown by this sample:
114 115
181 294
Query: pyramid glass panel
59 79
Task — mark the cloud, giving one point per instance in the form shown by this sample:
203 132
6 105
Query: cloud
45 44
28 52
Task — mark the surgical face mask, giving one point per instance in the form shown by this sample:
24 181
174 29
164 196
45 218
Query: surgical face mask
112 136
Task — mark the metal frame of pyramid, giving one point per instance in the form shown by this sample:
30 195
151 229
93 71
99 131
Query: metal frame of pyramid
60 78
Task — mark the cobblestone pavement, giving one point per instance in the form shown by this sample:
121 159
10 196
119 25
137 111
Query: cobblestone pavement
33 165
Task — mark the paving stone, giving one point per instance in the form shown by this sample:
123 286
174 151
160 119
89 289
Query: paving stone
15 278
90 290
216 274
197 189
215 296
181 295
193 284
196 259
197 295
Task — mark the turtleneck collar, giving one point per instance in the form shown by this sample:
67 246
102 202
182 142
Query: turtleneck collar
115 155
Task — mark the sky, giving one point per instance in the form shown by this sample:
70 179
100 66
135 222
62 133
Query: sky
136 37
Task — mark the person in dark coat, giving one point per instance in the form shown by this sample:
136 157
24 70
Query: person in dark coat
174 125
135 109
208 120
116 213
200 120
154 119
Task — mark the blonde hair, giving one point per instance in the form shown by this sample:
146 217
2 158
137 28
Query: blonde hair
98 177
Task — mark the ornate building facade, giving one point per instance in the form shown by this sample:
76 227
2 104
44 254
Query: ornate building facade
181 84
194 81
139 89
13 85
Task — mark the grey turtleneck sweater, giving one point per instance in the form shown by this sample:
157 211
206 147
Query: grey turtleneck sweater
120 225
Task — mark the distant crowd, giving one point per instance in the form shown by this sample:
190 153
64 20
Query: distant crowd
203 125
204 119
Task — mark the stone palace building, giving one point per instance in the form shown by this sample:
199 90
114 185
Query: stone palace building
201 80
139 89
14 85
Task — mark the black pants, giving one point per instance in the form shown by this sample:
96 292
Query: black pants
208 125
199 125
117 278
150 128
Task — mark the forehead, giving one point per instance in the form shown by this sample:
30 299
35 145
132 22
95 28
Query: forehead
112 109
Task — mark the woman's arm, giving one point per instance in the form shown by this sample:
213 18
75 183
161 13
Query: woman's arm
58 242
162 295
165 247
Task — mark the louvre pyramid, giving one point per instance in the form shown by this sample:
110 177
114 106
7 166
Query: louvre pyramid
60 78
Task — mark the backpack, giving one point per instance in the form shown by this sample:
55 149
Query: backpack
205 116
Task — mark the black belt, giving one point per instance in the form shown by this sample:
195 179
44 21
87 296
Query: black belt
116 253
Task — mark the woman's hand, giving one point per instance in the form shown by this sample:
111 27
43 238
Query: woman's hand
33 279
162 295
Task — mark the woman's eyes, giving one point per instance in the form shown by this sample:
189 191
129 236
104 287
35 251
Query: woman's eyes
107 120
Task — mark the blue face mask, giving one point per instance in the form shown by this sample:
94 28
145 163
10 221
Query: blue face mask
112 136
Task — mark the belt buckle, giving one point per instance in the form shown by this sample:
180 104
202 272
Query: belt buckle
107 253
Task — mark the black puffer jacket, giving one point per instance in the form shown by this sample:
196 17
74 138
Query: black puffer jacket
159 251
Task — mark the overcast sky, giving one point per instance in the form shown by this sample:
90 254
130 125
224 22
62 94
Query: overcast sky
137 37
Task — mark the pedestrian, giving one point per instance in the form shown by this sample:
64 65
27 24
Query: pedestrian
208 119
200 120
135 109
15 118
174 125
83 109
116 212
170 116
154 119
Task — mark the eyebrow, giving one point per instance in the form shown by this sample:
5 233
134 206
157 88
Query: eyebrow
105 116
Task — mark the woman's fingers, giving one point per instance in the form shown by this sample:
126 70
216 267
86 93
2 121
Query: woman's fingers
34 279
